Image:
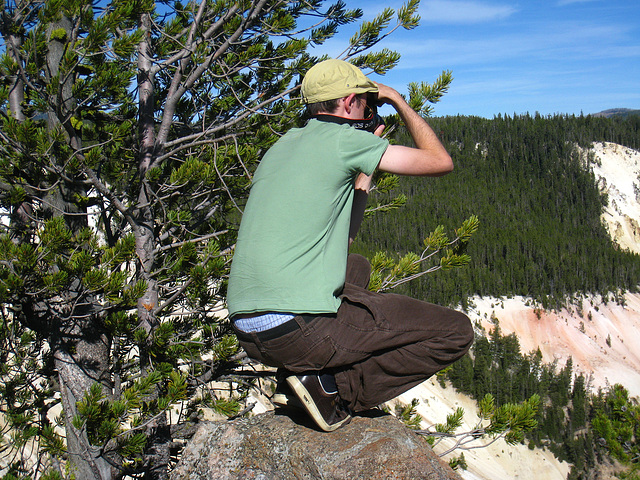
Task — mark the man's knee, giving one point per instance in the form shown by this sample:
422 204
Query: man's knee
465 331
358 270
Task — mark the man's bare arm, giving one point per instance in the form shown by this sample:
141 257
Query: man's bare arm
428 158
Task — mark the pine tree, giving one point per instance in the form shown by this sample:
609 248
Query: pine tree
129 133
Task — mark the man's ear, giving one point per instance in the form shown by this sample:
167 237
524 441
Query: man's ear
348 101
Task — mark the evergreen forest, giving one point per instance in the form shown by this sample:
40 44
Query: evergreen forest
541 236
539 208
588 429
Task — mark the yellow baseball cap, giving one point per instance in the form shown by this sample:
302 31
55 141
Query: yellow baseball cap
331 79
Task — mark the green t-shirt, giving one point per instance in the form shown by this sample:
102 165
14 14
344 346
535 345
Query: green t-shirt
292 245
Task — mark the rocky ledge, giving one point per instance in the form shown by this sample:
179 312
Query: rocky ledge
285 446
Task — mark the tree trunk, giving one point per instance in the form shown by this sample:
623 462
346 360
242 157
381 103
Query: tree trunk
158 432
88 462
16 85
79 342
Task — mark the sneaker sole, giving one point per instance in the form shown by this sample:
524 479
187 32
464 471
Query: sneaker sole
310 406
287 401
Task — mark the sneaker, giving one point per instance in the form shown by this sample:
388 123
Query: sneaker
325 408
284 397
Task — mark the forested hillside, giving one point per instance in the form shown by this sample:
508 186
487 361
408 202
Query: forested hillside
540 236
540 232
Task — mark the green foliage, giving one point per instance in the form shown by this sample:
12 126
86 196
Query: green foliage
384 183
374 31
458 462
616 424
129 132
408 415
515 420
422 93
388 273
222 406
509 421
115 422
453 422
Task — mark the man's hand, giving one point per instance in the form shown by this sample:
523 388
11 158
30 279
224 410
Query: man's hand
363 182
387 95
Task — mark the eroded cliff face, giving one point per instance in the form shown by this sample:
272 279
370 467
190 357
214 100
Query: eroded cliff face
617 170
601 338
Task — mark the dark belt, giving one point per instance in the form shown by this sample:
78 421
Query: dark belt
276 332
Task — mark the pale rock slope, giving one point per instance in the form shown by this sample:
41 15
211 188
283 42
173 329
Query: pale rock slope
601 339
617 170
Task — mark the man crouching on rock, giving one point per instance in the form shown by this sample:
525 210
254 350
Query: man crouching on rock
297 300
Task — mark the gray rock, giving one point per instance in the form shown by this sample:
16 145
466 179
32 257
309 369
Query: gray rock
286 446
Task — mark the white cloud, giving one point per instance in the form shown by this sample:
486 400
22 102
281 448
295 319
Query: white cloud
562 42
463 12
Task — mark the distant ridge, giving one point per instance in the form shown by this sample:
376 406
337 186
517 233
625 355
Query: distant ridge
617 112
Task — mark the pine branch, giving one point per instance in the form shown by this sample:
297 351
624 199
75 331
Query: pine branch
408 268
508 422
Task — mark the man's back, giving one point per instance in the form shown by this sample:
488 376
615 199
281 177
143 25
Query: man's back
292 246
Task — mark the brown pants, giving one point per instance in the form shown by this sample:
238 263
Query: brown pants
378 345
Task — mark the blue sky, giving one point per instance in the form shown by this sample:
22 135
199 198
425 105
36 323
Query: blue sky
546 56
